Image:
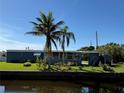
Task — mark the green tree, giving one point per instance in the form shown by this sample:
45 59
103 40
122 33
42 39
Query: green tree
90 48
45 26
66 36
115 50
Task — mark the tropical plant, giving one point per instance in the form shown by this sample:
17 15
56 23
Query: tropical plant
46 27
65 37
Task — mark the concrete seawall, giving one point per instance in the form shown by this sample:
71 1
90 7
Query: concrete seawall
69 76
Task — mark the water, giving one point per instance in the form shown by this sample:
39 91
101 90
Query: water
35 86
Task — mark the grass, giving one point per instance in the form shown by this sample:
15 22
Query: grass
16 66
119 68
33 67
88 68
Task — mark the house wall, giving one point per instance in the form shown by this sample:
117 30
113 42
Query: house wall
70 56
21 56
93 59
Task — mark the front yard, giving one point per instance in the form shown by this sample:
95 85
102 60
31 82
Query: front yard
33 67
16 66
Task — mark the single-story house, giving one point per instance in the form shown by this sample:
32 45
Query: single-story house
24 55
70 56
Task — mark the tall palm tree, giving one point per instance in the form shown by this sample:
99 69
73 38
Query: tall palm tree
46 27
65 37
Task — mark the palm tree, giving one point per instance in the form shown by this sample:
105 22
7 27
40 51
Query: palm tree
46 27
65 37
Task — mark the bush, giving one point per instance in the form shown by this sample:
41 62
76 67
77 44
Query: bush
56 68
71 63
107 68
60 67
41 64
27 64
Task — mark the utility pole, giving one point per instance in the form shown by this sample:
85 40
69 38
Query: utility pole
97 40
90 43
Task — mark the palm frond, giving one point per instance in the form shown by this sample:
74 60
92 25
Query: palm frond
55 26
43 17
52 28
71 35
54 43
39 29
63 43
56 37
50 18
68 40
40 20
34 23
35 33
58 33
59 23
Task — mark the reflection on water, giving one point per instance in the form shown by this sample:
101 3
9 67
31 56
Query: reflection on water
40 87
23 86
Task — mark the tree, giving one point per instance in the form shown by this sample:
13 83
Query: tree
46 27
86 48
65 37
115 50
90 48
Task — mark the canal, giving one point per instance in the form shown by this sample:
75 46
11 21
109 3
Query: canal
45 86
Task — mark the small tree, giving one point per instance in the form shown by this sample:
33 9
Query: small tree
65 37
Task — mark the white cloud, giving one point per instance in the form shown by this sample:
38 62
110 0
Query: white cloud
6 41
6 44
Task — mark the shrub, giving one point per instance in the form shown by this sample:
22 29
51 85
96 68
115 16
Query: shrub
71 64
80 68
60 67
55 68
41 64
107 68
27 64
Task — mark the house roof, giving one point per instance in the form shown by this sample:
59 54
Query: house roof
52 51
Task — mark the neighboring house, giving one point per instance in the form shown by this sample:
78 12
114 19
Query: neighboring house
2 56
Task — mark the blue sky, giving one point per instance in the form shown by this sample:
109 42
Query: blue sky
83 17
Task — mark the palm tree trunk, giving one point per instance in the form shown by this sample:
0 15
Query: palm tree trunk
63 48
63 59
47 51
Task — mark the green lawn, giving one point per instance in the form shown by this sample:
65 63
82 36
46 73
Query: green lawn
88 69
119 68
19 66
16 66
